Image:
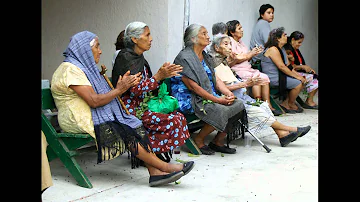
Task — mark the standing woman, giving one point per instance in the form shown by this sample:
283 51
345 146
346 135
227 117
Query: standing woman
210 99
261 30
165 131
294 42
274 63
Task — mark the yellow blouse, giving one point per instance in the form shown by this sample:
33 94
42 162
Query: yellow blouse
74 114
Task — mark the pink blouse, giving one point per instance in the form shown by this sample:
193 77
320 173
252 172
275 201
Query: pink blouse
244 69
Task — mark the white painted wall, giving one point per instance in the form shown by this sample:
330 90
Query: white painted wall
106 18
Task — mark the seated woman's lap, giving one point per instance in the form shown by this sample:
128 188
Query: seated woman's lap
290 82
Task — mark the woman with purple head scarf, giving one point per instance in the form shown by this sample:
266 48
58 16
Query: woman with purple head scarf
87 104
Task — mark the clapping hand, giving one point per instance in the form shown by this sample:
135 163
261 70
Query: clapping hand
127 81
168 70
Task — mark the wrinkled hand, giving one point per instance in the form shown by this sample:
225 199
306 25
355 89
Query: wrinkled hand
244 84
168 70
249 83
127 81
227 99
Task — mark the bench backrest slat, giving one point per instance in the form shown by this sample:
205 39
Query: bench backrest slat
47 101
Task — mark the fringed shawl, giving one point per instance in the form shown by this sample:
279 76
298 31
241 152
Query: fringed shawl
80 54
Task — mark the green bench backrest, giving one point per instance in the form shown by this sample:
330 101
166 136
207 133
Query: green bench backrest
47 101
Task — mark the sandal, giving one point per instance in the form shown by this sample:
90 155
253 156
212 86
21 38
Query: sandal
290 111
222 149
306 106
300 109
158 180
188 166
206 150
276 112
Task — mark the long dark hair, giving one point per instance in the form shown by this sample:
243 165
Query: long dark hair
119 44
295 35
274 35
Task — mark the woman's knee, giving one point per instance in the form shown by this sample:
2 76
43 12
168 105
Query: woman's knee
299 87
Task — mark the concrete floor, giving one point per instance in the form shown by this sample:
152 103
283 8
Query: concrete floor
285 174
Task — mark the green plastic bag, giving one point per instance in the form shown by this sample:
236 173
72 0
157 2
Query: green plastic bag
163 103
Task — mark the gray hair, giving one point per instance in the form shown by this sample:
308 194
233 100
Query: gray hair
219 27
190 35
217 39
133 29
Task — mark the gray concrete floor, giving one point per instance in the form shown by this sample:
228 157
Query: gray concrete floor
285 174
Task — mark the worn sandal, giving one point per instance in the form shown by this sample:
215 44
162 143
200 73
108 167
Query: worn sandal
206 150
222 149
306 106
290 111
188 166
158 180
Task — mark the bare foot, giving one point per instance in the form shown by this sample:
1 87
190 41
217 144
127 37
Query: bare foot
311 103
293 106
199 142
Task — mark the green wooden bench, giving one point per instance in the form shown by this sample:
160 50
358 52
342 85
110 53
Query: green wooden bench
64 146
273 91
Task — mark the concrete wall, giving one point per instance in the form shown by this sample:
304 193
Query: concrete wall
106 18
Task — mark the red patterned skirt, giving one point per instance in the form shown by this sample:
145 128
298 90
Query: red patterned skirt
166 131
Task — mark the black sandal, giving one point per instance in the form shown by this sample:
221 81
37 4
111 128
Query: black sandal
207 150
222 149
290 111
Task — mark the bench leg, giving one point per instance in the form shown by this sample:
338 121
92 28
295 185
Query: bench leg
192 146
59 149
72 166
275 104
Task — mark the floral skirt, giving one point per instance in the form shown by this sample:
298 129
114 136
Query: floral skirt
165 131
311 83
